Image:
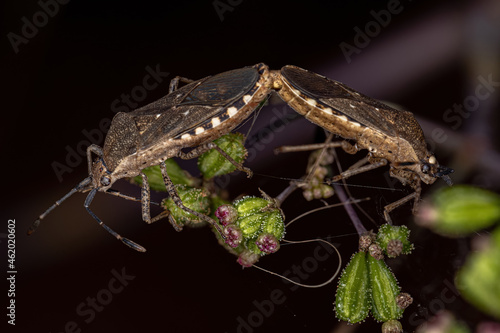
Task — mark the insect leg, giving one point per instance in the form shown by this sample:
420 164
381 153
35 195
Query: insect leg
174 83
126 197
177 200
351 172
124 240
390 207
146 205
346 146
145 199
208 146
93 149
359 163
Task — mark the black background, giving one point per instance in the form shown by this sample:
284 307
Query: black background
66 77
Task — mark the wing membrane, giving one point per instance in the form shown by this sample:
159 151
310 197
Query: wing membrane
192 105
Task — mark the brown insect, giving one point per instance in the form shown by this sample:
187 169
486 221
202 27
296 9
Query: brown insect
191 116
391 136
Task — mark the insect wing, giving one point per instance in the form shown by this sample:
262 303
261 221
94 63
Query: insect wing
340 98
188 109
224 88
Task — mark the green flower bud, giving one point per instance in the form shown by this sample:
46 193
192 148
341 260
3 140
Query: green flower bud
260 224
212 163
250 205
460 210
175 172
273 224
251 225
478 280
192 198
394 240
384 291
352 301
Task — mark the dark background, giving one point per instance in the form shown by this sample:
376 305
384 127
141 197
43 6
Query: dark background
64 79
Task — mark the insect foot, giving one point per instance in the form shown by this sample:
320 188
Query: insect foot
391 136
253 226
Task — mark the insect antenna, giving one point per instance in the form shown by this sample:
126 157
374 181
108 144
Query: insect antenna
77 188
124 240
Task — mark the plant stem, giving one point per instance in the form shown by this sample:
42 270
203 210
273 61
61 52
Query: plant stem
349 209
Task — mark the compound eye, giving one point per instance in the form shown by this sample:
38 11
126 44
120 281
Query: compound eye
105 181
426 168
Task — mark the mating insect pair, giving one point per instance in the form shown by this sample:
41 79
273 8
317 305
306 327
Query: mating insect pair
201 111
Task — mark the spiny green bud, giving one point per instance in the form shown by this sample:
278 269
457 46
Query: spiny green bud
394 240
273 224
250 205
259 223
174 171
460 210
192 198
352 301
384 291
251 224
212 163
